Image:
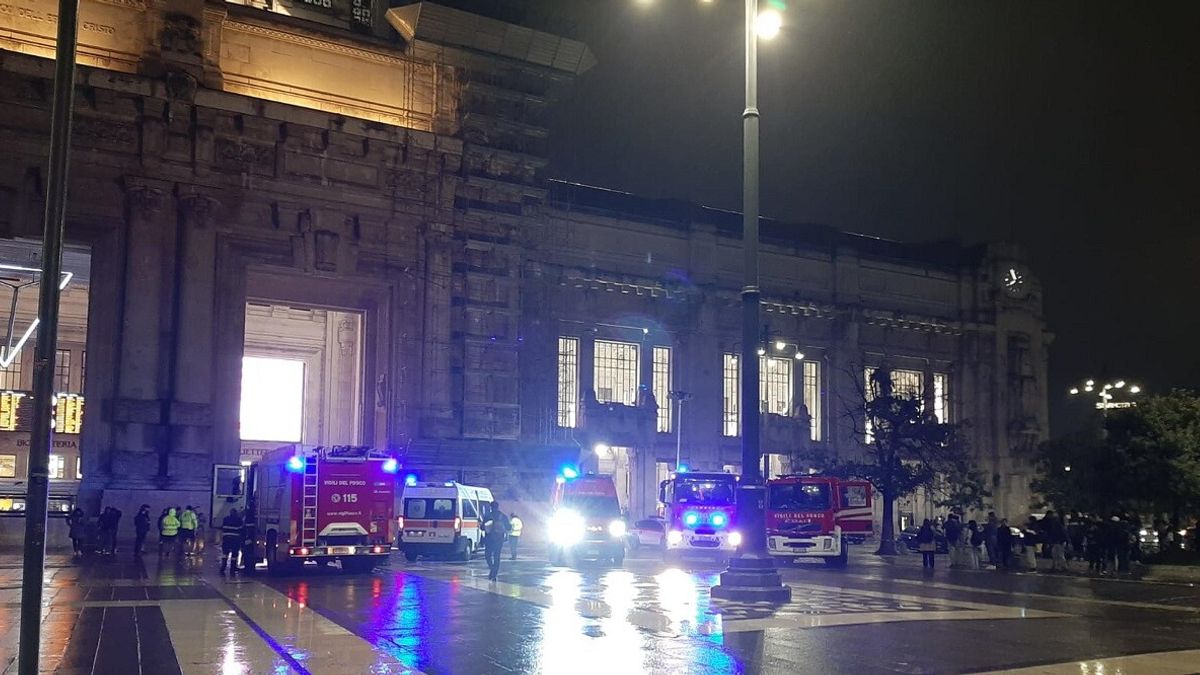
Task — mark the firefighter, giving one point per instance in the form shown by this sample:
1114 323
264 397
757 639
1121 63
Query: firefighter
231 540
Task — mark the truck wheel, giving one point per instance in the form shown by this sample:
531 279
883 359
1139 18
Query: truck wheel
841 559
410 556
274 564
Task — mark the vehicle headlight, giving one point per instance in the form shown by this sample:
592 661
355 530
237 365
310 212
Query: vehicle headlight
674 537
735 539
1143 532
566 528
617 528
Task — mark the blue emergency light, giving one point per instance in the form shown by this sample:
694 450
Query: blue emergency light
718 519
569 473
410 480
295 464
390 465
691 519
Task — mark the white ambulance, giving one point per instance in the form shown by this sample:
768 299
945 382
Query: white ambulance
442 520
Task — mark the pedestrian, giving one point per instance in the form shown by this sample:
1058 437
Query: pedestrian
114 523
926 544
1055 533
1004 544
231 540
495 529
990 529
77 530
103 527
954 540
974 541
141 527
187 530
168 530
514 533
1094 545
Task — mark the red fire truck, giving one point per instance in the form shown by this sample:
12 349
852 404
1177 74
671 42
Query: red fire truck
322 504
813 516
699 510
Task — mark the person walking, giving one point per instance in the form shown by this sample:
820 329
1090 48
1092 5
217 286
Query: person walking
231 540
77 530
514 533
141 527
168 530
495 529
187 530
926 544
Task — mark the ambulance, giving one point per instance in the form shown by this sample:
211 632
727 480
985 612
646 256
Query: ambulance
441 520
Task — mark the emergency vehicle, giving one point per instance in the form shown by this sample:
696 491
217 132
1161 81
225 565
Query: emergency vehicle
322 504
585 519
813 516
699 510
442 519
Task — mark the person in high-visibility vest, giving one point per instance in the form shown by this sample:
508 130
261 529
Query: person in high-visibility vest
168 529
514 532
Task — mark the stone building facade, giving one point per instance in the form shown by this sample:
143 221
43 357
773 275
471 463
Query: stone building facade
232 159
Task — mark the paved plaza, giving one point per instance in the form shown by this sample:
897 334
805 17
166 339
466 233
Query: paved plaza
150 616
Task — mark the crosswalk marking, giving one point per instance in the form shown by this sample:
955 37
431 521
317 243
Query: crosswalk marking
1157 663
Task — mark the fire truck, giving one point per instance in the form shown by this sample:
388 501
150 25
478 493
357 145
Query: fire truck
585 519
322 504
813 516
698 509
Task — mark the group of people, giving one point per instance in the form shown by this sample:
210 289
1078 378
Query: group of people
177 531
1108 544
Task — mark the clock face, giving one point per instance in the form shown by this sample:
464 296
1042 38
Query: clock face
1014 282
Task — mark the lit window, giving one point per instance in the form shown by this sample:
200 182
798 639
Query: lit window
616 371
272 399
729 418
775 384
10 376
905 384
58 466
941 397
78 468
62 371
662 387
812 396
568 382
8 466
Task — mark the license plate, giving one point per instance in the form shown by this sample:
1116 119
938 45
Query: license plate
339 550
704 538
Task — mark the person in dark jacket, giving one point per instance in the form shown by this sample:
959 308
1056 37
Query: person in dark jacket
926 544
1054 533
231 540
1004 542
495 530
77 522
141 527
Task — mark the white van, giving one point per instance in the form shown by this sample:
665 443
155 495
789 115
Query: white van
442 520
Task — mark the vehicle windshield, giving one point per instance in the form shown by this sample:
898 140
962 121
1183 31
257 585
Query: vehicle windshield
593 505
703 491
798 497
429 508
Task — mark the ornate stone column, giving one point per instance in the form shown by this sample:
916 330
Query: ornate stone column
190 368
138 437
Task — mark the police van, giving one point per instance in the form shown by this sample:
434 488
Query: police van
442 520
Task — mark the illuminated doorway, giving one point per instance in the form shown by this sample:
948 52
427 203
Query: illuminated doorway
302 377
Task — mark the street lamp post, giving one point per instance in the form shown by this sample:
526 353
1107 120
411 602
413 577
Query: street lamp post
680 397
751 574
1107 392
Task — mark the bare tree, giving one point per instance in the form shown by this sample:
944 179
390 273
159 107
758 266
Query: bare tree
904 447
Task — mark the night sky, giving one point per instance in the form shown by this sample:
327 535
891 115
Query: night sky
1072 128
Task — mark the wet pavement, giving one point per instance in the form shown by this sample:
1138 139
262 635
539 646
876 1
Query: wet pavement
181 616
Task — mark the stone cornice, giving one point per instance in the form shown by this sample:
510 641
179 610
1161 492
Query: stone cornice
318 43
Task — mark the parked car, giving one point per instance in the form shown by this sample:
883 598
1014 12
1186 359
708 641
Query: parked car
908 536
650 532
